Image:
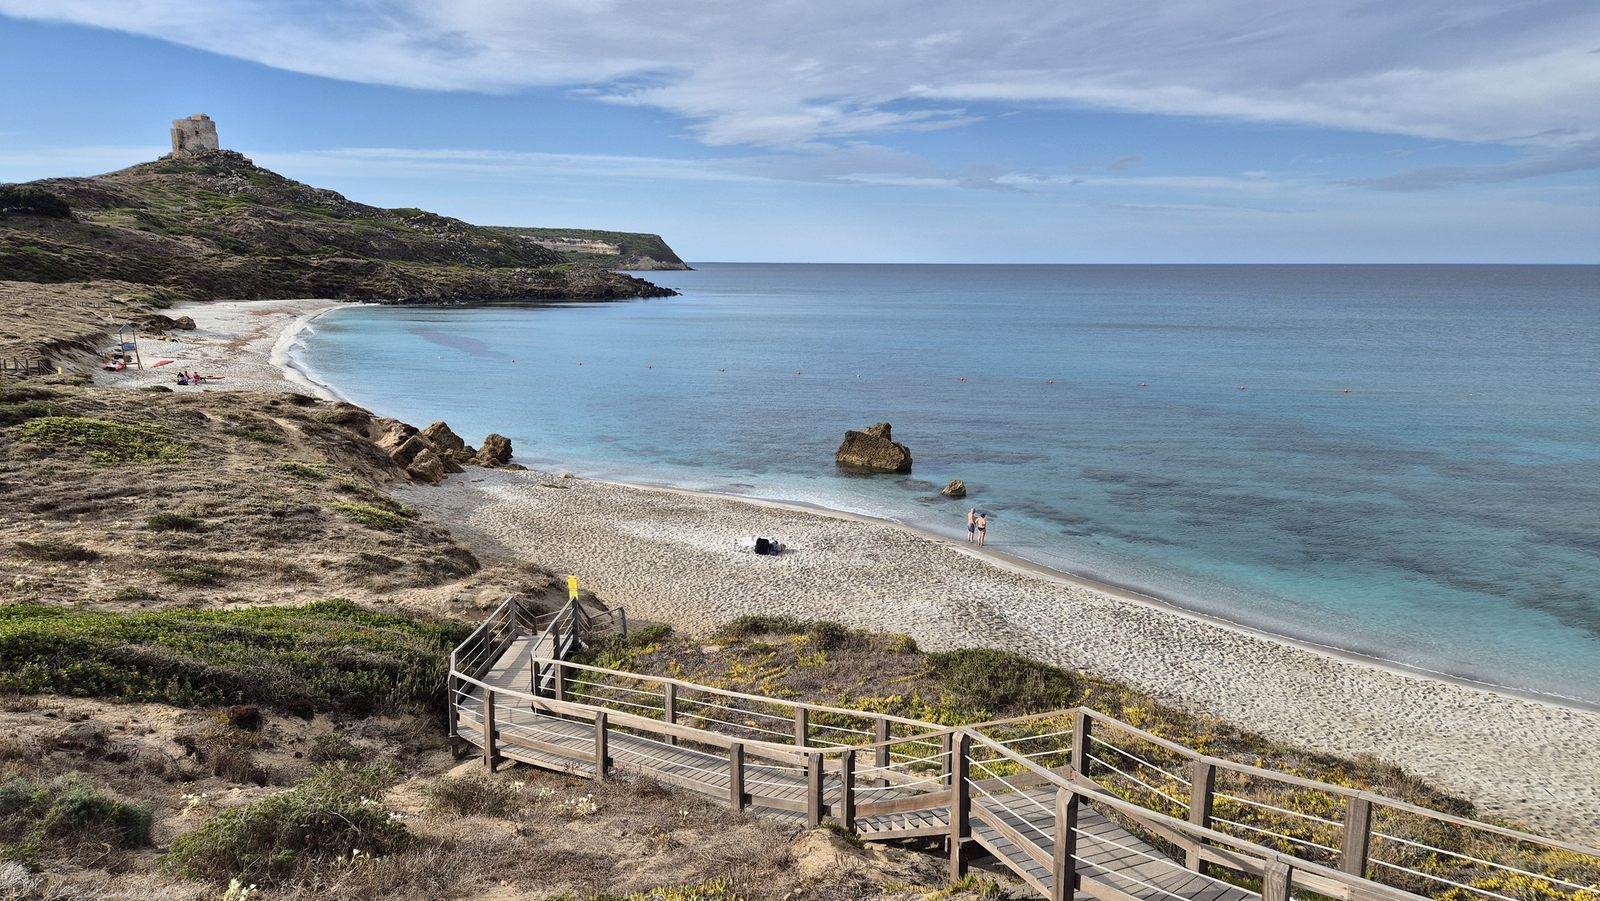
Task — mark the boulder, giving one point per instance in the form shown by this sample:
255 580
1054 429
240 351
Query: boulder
448 443
184 323
873 448
427 466
412 448
956 488
496 451
390 434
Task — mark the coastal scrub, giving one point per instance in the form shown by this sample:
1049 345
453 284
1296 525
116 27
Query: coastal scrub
110 443
329 655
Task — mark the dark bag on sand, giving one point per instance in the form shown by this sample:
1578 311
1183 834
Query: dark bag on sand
763 546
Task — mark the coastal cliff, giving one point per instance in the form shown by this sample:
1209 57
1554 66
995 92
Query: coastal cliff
214 224
627 251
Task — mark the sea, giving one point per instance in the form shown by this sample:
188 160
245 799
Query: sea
1397 462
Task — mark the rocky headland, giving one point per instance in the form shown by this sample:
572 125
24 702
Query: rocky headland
213 224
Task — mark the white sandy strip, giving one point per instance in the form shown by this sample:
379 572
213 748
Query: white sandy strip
672 556
244 342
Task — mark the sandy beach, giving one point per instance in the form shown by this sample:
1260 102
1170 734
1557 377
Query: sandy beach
673 556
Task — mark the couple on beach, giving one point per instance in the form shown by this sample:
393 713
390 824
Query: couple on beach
977 524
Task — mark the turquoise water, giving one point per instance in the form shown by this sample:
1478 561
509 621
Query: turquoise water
1443 513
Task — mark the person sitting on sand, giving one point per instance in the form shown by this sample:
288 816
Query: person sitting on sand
983 526
972 524
183 377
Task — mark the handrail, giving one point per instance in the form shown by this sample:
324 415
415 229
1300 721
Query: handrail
782 702
1199 833
1195 836
1344 791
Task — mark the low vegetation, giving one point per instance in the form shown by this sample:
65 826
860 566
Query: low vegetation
323 656
66 811
33 200
333 816
475 794
371 515
110 443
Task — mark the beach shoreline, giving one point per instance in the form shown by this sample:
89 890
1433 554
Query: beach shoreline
666 553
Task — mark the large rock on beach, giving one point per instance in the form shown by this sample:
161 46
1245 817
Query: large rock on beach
448 443
956 488
496 451
873 448
428 467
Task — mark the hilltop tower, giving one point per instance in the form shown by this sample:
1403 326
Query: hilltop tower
193 135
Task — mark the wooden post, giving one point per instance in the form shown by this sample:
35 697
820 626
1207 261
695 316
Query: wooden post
602 740
1357 836
802 726
847 788
1202 791
669 708
561 681
1276 881
1065 872
1081 725
946 754
736 775
960 805
813 790
452 715
488 729
881 736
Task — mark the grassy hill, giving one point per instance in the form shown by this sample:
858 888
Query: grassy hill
633 251
217 225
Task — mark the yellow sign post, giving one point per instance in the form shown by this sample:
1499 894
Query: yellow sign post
572 588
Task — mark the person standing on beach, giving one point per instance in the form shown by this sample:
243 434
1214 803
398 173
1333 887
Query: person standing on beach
982 523
972 523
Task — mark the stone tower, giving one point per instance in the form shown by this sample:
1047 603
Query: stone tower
193 135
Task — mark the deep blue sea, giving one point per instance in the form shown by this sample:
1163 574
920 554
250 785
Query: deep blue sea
1398 461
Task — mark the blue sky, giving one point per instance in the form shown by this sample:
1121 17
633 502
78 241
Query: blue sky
934 130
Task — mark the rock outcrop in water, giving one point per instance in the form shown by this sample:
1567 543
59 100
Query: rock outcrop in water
875 449
956 488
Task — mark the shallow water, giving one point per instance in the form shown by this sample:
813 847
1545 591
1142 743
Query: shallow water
1410 470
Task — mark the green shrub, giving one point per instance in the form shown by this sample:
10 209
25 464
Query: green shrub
309 472
197 575
760 624
110 443
70 808
34 200
331 655
173 522
328 817
825 634
371 516
11 414
1001 681
649 635
56 552
252 433
335 747
473 795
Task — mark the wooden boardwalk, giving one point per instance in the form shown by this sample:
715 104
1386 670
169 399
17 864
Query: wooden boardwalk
1052 798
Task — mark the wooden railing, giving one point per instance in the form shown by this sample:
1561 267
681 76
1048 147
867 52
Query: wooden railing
864 769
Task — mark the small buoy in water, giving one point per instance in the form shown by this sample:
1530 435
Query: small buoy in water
1347 390
962 379
580 362
797 372
1144 384
1049 381
722 370
648 366
1241 387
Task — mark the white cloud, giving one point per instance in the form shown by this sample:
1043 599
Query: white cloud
795 74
